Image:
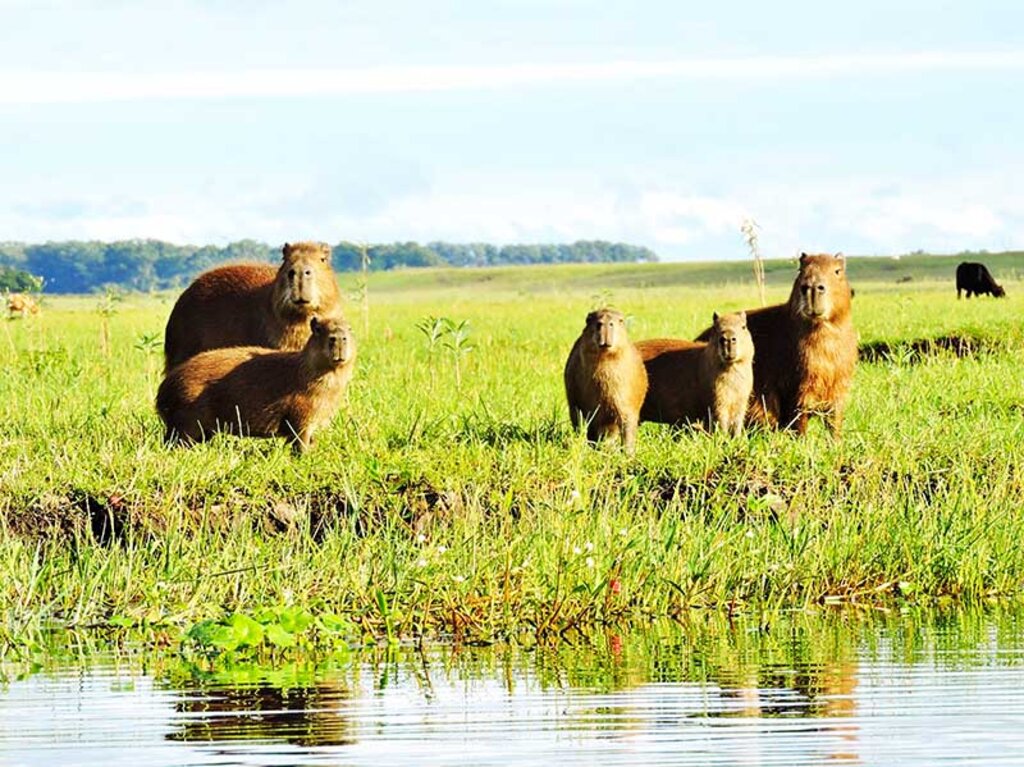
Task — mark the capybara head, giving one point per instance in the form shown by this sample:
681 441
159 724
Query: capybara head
998 291
332 340
605 330
304 277
821 292
731 338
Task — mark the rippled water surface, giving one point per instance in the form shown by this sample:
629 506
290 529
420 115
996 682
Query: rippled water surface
913 689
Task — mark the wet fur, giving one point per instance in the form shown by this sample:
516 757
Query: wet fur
605 387
690 382
803 366
258 392
250 305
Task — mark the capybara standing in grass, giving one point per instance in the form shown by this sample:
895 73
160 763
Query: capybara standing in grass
253 304
708 383
257 392
605 380
804 350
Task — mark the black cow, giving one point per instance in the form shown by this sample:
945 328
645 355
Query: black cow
976 279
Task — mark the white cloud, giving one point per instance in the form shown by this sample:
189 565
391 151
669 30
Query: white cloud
38 87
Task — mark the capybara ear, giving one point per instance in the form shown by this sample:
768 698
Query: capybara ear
841 258
592 317
314 325
803 258
714 317
325 252
286 250
743 315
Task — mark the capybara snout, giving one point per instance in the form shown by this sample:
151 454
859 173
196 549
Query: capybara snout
606 328
336 336
305 265
733 336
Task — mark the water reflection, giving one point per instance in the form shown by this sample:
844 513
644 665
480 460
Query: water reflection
301 716
803 689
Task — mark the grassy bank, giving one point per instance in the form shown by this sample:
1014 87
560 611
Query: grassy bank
432 508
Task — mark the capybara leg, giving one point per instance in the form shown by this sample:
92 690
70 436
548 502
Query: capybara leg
612 431
302 441
799 422
629 430
834 421
958 296
575 418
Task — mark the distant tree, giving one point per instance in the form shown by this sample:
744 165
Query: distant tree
18 281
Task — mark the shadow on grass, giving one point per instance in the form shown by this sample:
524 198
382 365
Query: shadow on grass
917 350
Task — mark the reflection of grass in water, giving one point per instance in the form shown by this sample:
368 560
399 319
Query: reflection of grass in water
479 514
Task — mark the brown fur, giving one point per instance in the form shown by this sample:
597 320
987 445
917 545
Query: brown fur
605 380
19 303
695 382
253 304
805 350
257 392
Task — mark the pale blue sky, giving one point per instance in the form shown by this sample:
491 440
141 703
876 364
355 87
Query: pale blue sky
869 127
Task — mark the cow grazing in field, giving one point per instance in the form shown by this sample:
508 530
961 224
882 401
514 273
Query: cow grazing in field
976 279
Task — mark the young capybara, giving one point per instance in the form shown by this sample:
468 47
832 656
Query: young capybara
257 392
253 304
708 383
605 380
804 350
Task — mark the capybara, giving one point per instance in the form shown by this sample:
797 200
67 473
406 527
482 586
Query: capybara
19 303
976 280
804 350
707 383
605 380
257 392
254 304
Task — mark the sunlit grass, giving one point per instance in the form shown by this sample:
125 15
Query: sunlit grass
472 508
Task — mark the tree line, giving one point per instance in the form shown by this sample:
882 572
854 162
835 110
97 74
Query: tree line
81 267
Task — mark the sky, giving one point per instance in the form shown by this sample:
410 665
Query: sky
875 127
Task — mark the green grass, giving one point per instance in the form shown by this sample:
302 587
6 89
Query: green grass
428 509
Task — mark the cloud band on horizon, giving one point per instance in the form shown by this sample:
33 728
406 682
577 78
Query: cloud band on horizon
34 87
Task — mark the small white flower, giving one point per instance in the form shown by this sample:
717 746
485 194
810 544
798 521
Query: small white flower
421 562
588 546
458 578
442 549
575 495
750 533
421 538
577 550
623 532
590 561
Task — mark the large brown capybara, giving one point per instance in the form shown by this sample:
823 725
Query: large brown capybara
253 304
257 392
605 380
696 382
804 350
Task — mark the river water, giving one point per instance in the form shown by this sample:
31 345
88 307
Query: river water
801 689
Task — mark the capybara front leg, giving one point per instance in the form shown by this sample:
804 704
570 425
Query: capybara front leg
629 430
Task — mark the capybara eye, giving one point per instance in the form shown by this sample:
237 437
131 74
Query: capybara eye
291 273
837 271
308 272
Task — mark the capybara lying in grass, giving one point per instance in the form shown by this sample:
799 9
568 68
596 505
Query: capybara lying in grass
804 350
253 304
257 392
605 380
708 383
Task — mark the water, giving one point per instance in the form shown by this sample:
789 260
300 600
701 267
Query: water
805 690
